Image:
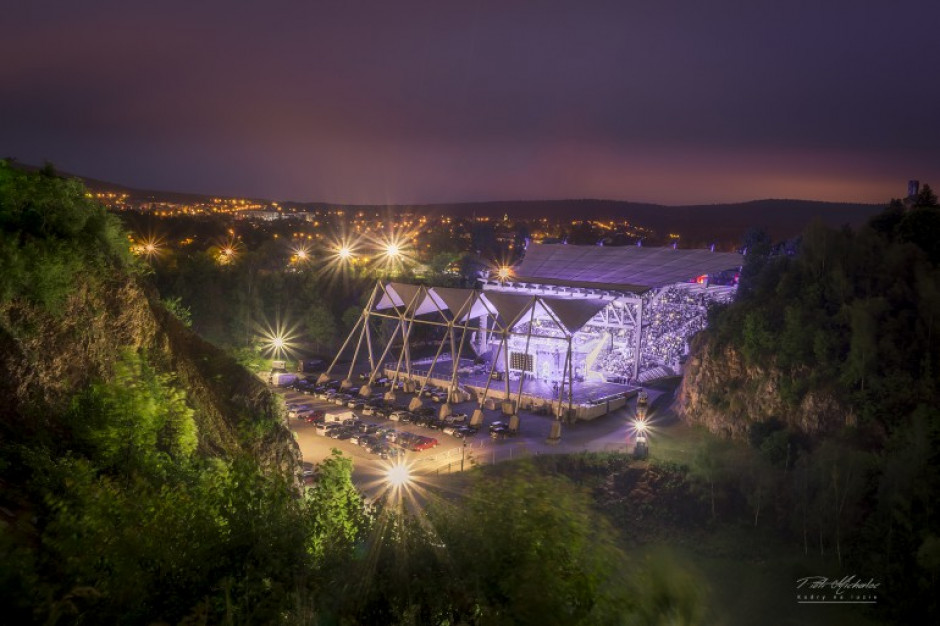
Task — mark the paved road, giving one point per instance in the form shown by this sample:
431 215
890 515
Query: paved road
611 432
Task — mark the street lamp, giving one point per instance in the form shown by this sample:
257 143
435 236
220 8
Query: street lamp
398 476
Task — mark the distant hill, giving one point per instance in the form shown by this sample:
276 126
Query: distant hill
697 225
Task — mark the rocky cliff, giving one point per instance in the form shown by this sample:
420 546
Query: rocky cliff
46 357
726 395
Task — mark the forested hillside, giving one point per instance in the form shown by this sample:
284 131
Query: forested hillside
827 366
144 475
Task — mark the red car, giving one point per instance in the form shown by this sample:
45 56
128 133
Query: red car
313 416
425 443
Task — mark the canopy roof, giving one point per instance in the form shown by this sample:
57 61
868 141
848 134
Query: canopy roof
627 268
574 314
506 310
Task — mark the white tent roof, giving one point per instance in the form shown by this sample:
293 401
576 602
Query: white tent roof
453 299
509 306
574 314
508 309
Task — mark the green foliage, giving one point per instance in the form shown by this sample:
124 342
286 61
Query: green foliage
852 313
50 233
334 509
132 526
321 325
350 317
178 309
134 422
520 548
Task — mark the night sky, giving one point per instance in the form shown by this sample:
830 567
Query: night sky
400 101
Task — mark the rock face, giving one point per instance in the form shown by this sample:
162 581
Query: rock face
726 395
45 358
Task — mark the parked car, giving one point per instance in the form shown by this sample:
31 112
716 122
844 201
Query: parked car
424 443
314 416
500 432
389 452
297 409
309 473
467 431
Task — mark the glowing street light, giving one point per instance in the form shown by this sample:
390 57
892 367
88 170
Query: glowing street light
640 426
278 340
398 476
504 273
344 253
392 250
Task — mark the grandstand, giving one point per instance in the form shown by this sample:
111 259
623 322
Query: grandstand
572 327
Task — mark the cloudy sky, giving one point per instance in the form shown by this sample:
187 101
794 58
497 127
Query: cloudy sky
671 101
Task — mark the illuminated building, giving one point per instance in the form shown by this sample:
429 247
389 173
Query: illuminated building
571 327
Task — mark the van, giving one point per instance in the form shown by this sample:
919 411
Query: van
282 379
339 417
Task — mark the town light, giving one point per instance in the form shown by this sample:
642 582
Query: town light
344 253
640 426
504 272
392 250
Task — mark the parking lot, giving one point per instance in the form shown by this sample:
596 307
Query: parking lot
378 439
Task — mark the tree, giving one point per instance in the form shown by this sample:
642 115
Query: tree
519 548
710 468
334 508
863 349
926 197
320 325
350 317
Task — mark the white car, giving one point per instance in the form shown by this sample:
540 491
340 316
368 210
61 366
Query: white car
456 418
